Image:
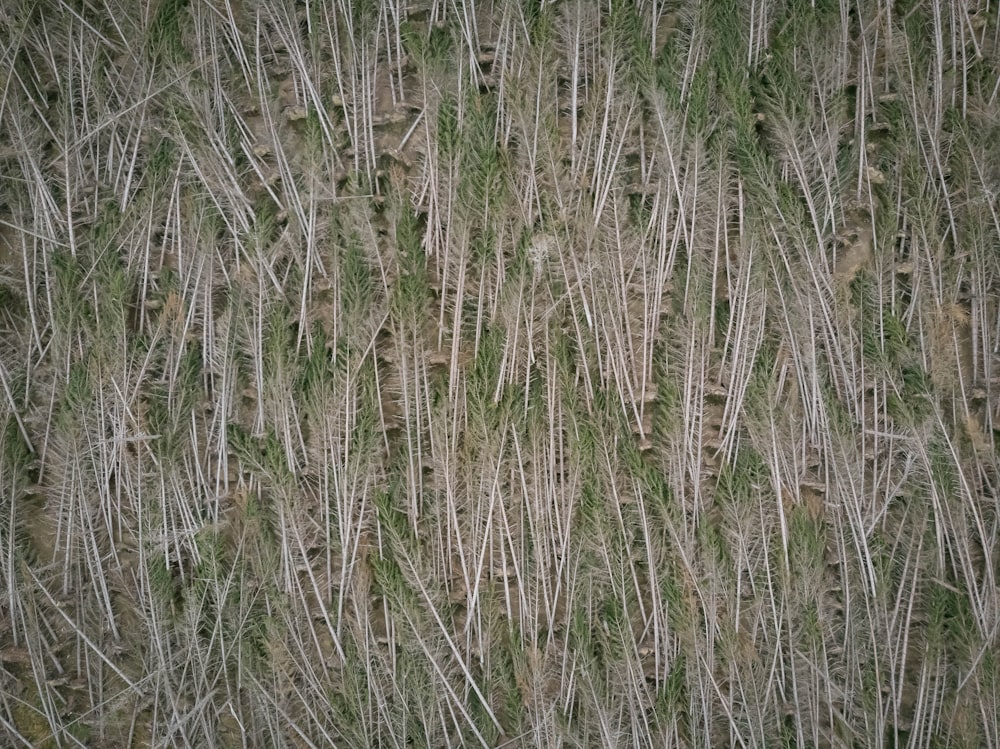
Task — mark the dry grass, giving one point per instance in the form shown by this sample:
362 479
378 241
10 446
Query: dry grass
499 375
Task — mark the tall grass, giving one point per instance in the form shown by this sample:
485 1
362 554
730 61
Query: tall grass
501 374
